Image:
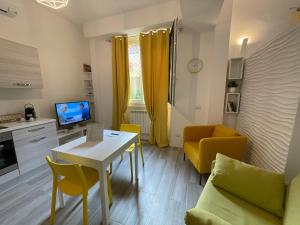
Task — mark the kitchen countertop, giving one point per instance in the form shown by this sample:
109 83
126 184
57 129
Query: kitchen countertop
24 124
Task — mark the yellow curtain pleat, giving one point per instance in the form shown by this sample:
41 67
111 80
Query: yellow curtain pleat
120 73
155 67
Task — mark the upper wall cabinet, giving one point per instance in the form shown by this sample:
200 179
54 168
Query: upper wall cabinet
19 66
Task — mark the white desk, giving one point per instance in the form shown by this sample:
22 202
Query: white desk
98 156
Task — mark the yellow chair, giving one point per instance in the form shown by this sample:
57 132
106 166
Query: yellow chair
76 180
134 128
202 143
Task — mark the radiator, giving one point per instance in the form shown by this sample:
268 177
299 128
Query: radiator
140 117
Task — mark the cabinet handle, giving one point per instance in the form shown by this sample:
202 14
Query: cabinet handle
22 84
37 140
36 129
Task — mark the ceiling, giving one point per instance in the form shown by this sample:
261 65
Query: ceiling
261 24
200 14
81 11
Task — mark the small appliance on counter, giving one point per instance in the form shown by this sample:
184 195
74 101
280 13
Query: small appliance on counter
29 112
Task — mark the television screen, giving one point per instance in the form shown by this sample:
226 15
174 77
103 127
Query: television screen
72 112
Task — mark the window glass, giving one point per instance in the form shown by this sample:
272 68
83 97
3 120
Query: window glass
135 71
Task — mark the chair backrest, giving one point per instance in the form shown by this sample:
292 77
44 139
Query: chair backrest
68 171
134 128
222 131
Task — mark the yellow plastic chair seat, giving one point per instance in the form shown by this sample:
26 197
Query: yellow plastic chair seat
131 148
73 187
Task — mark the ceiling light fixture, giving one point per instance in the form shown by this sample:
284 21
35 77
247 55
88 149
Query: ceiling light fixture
243 39
54 4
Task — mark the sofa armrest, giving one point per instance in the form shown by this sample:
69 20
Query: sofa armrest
196 133
233 147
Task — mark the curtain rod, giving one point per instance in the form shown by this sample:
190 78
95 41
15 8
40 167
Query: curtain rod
134 35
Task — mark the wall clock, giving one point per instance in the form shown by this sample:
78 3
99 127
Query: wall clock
195 65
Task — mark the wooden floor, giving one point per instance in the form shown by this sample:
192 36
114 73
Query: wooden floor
167 187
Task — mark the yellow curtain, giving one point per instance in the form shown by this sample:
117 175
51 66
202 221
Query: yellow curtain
120 73
155 67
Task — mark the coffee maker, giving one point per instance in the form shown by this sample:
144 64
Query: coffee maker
29 111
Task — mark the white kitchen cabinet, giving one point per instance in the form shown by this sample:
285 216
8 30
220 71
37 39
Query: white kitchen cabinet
32 144
19 66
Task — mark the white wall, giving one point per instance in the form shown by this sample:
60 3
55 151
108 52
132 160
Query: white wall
269 102
219 67
200 98
260 21
62 51
261 24
101 56
191 96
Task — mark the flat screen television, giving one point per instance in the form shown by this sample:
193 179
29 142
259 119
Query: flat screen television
70 113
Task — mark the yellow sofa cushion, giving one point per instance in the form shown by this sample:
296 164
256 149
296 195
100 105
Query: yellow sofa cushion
191 149
221 131
233 209
262 188
292 205
201 217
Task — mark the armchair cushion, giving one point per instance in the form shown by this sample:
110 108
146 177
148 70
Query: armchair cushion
260 187
221 131
197 216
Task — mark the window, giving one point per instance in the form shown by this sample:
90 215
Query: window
136 96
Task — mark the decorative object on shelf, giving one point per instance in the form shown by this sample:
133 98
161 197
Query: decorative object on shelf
87 68
232 86
232 103
294 16
195 65
94 132
54 4
236 68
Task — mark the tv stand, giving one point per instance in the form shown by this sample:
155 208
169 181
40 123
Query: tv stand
76 126
70 134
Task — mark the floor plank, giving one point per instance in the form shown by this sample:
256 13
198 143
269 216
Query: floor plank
167 187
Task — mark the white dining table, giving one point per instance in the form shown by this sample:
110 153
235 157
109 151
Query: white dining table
99 156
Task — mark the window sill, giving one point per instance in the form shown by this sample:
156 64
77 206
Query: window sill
136 106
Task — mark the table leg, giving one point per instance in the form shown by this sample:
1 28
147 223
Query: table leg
104 195
60 194
136 159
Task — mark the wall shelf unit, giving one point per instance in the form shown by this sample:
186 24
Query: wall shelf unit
234 85
88 83
236 68
88 88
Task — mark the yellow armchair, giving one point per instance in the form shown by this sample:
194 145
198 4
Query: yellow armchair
202 143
